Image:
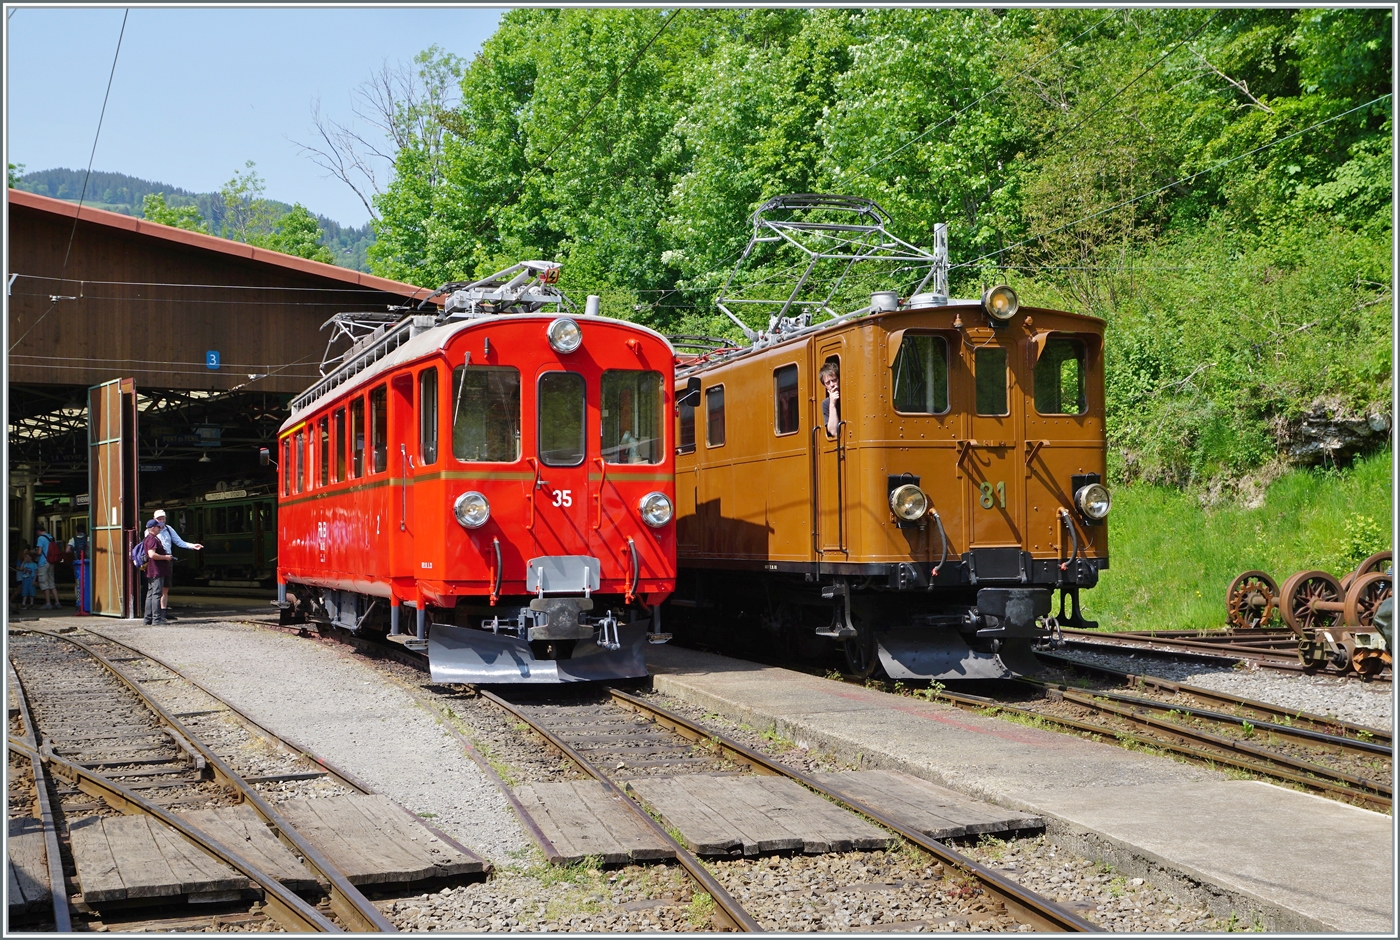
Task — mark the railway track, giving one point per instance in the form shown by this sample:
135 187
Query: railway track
1346 761
101 747
1275 650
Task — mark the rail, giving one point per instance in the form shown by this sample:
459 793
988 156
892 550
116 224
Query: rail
58 886
346 900
1033 909
725 903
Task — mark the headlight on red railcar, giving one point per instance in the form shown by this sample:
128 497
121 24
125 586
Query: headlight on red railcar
1093 500
471 509
908 502
655 509
564 335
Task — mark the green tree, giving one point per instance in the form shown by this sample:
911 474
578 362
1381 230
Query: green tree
297 233
247 214
13 172
154 208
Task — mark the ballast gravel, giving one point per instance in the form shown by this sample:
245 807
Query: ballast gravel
1363 703
342 710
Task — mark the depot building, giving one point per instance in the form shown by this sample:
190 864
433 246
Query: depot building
147 365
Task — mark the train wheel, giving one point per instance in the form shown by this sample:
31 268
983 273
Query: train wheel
1365 595
1379 562
1302 593
861 658
1251 600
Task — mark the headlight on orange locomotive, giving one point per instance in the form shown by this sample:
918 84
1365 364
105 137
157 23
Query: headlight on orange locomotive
908 502
471 509
1093 501
656 509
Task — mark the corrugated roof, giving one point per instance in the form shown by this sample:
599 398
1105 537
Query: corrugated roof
213 243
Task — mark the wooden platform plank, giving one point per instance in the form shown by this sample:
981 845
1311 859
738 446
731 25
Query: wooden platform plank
27 864
824 826
98 876
705 831
571 823
141 864
242 829
937 811
761 831
199 872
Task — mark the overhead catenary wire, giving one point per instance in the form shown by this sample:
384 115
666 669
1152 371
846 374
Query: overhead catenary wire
83 195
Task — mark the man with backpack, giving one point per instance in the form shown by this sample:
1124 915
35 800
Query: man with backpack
158 567
78 554
169 540
49 555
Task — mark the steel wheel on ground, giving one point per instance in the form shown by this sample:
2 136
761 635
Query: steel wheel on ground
1379 562
1300 596
861 658
1251 600
1365 595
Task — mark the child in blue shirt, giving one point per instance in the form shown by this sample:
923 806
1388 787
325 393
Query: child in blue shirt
25 573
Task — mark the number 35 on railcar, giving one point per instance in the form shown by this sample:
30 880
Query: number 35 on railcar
927 524
502 469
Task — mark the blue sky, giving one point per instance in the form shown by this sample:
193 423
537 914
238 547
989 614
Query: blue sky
199 91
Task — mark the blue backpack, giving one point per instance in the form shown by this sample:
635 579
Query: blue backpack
138 554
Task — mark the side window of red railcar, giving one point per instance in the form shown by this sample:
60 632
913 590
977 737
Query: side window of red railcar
357 438
286 466
632 416
486 413
379 424
714 415
1059 378
324 426
340 445
785 417
299 445
427 416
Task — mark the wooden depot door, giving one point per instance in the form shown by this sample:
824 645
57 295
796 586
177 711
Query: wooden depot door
114 502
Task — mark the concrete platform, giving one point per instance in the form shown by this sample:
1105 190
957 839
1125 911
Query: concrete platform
1294 861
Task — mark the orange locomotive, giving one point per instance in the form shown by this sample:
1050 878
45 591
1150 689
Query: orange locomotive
503 470
959 484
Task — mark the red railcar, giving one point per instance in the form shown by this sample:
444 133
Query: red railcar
502 469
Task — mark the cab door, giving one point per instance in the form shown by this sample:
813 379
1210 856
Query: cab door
560 516
990 457
829 485
402 560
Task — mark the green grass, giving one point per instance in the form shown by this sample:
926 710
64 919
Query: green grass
1172 559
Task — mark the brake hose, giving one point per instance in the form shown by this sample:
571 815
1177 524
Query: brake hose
1074 537
938 521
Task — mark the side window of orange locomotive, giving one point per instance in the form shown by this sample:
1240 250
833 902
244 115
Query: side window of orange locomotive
379 426
357 438
486 413
714 415
1059 378
631 417
340 445
561 415
324 425
427 416
286 466
990 369
685 433
299 445
785 415
919 375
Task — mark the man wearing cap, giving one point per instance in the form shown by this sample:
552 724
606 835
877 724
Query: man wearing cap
169 538
158 566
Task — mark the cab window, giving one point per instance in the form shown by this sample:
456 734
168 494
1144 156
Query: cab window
324 427
299 445
714 415
286 466
920 375
631 416
990 368
427 416
1059 378
486 413
561 416
379 426
340 445
357 438
785 400
685 435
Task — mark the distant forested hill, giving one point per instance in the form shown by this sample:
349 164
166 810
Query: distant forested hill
118 192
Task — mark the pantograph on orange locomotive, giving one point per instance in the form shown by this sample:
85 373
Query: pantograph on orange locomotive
962 487
503 467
